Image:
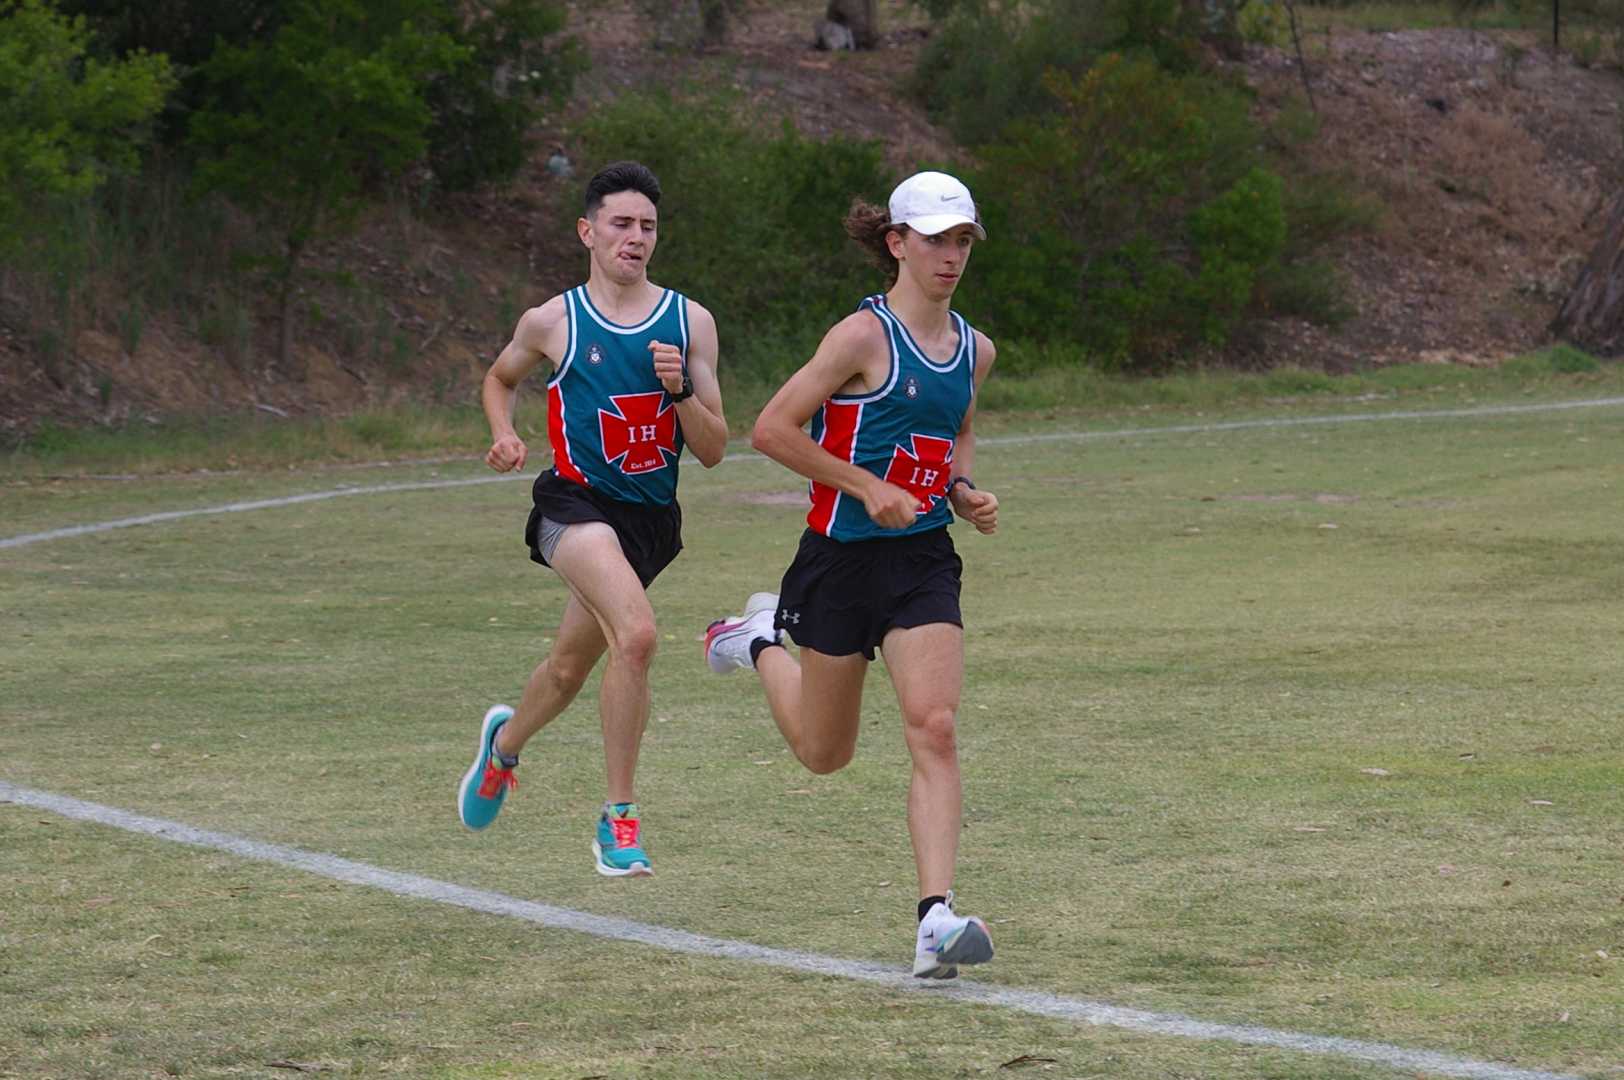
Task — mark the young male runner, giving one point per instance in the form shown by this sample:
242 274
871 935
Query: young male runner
890 396
632 379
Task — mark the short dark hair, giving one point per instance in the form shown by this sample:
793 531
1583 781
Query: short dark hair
621 176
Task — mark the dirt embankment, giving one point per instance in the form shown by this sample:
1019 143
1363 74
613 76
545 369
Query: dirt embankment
1489 157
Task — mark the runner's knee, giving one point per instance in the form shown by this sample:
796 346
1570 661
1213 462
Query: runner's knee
826 759
566 674
636 644
933 731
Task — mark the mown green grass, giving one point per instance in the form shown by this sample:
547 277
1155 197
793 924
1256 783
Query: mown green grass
1030 381
1309 727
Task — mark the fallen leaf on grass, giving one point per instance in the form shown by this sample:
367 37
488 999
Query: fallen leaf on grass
1027 1059
301 1066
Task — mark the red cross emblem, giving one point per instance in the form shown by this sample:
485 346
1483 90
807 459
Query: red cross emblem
638 434
923 470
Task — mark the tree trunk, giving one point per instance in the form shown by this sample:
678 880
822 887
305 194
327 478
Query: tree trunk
1592 317
713 23
861 17
1218 25
290 274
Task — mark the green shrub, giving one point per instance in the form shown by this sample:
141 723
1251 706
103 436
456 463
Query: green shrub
484 106
68 121
1134 220
983 69
1571 361
750 222
1310 289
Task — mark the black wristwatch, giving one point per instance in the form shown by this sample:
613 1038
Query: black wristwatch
687 390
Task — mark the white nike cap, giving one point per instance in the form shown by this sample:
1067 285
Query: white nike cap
932 202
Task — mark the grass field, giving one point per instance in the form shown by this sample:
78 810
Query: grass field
1310 726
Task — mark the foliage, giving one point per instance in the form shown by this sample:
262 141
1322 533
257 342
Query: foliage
186 31
67 121
483 107
517 59
301 128
749 222
1135 219
984 66
302 125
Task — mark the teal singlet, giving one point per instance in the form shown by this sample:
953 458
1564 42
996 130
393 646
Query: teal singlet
903 432
612 425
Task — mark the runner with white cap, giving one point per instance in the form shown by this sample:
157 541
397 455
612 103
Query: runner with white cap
890 395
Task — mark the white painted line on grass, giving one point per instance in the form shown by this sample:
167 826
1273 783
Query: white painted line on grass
1035 1002
996 440
240 507
1311 421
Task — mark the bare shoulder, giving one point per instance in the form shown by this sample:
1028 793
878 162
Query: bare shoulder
700 318
543 331
856 335
854 356
986 351
542 319
698 312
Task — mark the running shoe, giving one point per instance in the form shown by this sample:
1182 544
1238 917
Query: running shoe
486 783
946 940
728 641
618 846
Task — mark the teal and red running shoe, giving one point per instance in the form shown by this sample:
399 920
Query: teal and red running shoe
618 846
487 781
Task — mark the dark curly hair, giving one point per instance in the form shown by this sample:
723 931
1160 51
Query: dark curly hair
868 225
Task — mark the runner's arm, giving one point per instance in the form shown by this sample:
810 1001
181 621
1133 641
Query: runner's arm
841 359
704 428
978 507
534 340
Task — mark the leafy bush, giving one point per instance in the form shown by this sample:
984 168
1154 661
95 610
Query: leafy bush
750 222
67 121
1309 289
1137 219
186 31
983 69
516 59
302 129
483 107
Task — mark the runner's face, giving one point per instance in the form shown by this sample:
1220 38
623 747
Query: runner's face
935 263
621 235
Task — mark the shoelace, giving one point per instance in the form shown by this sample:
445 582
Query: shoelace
625 830
495 779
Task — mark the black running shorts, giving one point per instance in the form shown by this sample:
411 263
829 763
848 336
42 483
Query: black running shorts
841 598
650 536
